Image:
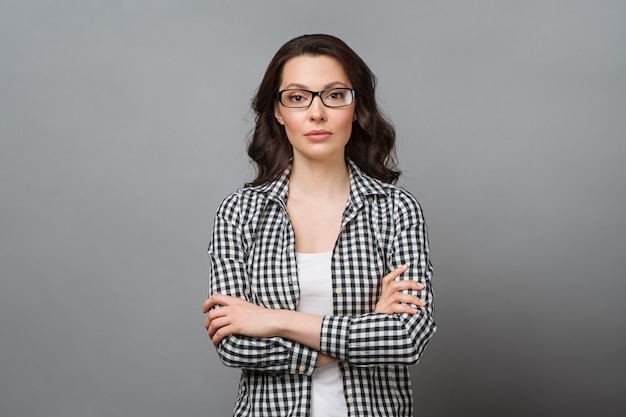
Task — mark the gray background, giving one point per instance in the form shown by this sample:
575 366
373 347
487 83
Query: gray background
122 126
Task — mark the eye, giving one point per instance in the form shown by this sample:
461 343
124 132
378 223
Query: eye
337 96
298 96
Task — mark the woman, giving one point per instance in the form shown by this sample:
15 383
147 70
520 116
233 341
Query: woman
320 289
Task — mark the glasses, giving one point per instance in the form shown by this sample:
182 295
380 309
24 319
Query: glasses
295 98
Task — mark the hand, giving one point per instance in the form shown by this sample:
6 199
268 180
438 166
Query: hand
236 316
392 300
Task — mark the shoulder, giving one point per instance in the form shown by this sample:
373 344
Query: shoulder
393 194
238 203
402 205
403 199
383 192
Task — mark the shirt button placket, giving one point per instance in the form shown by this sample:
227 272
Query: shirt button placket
337 257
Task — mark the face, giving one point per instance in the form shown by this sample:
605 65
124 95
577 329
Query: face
317 132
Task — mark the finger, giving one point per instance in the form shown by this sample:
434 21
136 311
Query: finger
215 325
215 299
409 299
216 313
406 284
403 308
219 334
402 297
395 307
390 277
395 273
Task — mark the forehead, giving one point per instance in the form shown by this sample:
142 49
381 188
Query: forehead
313 72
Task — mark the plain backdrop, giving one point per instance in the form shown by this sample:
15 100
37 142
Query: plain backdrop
123 125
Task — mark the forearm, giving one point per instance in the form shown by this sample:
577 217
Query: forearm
300 327
273 355
377 339
253 337
370 339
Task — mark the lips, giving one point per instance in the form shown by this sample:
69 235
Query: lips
318 135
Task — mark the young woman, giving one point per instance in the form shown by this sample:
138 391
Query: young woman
320 287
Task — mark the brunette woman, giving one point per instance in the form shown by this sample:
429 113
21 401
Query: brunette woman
320 288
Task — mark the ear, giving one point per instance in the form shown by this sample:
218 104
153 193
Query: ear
278 116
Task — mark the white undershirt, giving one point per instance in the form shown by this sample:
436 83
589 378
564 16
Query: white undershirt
314 278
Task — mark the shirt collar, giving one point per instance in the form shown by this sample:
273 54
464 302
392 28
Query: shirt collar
362 186
277 189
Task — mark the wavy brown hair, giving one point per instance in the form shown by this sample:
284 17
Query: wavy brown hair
372 143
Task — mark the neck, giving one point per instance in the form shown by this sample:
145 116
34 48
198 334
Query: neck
319 178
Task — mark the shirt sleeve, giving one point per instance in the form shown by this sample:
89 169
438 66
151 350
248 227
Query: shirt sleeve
376 339
228 253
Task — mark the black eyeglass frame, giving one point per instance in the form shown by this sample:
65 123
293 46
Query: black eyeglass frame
279 95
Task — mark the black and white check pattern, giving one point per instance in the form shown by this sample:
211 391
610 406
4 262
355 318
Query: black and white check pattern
252 254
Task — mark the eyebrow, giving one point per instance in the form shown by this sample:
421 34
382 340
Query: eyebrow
327 86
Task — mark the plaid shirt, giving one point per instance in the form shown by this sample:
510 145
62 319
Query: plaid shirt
252 254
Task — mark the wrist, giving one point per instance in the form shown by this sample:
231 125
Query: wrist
279 322
301 327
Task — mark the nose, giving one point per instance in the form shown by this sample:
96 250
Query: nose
317 109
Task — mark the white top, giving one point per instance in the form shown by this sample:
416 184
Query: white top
314 278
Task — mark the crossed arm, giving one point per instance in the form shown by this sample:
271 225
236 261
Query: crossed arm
238 316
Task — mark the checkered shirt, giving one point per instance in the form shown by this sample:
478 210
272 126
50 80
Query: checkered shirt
252 253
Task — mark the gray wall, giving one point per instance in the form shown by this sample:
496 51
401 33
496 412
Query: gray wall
122 126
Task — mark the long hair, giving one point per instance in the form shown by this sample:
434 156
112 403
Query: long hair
372 143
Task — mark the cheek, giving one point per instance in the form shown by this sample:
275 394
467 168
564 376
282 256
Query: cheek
292 118
348 121
293 126
288 123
